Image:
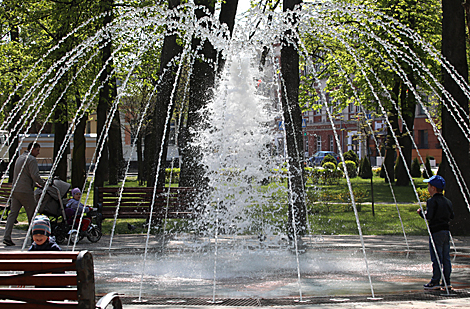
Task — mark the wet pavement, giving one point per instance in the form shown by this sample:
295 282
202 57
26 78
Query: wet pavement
410 297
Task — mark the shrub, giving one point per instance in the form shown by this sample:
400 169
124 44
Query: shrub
329 165
328 158
423 194
415 168
365 170
382 171
350 167
174 174
324 176
350 155
427 172
331 177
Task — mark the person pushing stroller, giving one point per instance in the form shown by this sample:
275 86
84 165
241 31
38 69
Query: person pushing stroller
74 206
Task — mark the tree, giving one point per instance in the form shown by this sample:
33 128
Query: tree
454 50
366 60
201 91
164 105
106 96
365 170
415 168
293 124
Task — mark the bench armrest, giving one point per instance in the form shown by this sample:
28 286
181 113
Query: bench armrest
109 298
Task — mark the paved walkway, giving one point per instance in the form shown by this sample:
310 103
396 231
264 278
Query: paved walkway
406 300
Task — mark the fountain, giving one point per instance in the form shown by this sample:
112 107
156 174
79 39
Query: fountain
238 247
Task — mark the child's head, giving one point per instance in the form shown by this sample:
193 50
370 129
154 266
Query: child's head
437 182
41 229
76 193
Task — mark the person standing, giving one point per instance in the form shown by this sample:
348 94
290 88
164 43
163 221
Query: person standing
23 192
438 212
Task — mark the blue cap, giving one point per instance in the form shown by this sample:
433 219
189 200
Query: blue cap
436 181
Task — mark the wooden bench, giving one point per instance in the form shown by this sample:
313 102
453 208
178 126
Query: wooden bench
5 191
50 280
136 202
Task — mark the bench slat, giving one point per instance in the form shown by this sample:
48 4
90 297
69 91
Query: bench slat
42 255
16 304
40 280
25 265
40 293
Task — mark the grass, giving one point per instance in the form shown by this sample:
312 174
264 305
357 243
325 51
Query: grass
385 222
382 192
330 214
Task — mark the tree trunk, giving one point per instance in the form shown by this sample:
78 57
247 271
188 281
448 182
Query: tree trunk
115 150
79 151
201 83
390 144
454 49
293 129
164 107
227 15
140 163
13 134
408 106
201 91
105 98
60 130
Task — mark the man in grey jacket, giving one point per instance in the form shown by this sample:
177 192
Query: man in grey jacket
23 192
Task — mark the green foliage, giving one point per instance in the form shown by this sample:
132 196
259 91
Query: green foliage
328 158
350 155
359 194
172 174
427 172
325 176
415 170
350 167
329 165
423 194
365 170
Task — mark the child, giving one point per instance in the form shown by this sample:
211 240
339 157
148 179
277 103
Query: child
41 231
71 208
438 213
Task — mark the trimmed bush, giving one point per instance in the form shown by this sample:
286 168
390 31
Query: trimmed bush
324 176
350 167
328 158
365 170
174 174
350 155
415 169
427 172
329 165
382 171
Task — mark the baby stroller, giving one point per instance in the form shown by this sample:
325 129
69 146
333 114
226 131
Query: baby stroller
53 207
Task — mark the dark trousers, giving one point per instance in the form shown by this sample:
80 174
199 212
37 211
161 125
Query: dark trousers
442 243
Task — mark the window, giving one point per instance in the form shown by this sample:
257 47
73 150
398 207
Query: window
423 139
351 108
318 143
332 143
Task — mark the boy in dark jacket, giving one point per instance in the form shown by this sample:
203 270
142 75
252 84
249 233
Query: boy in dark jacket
41 231
438 212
